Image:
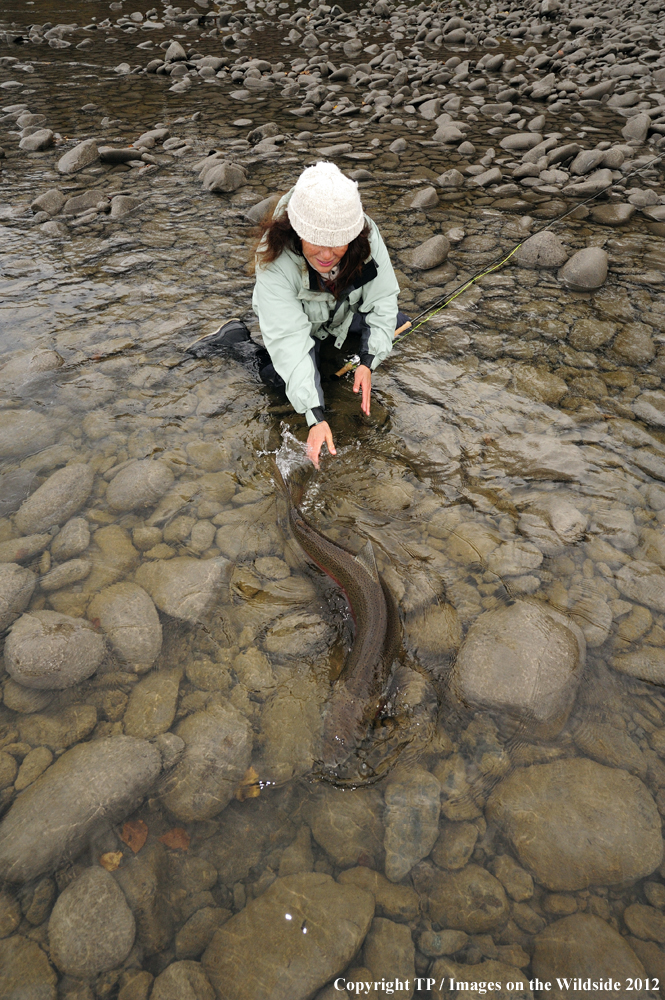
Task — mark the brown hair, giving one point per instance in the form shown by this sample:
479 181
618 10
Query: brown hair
275 235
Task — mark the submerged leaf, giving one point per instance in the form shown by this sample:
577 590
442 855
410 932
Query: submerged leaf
177 839
249 787
111 860
134 834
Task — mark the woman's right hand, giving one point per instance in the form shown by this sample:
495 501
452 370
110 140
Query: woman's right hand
319 435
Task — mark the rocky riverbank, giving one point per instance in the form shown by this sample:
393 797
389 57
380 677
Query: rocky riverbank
166 650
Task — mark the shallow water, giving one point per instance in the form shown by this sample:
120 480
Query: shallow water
504 470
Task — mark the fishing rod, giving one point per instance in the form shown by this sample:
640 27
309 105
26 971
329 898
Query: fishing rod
427 314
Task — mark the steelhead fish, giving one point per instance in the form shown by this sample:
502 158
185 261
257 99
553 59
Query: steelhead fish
357 692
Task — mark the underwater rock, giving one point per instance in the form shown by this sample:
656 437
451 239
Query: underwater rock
56 500
413 802
16 587
49 651
139 484
89 787
91 929
614 818
289 965
182 587
126 614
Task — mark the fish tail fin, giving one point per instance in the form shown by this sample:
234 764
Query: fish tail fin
367 560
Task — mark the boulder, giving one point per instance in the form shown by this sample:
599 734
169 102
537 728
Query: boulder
86 789
413 803
575 823
23 432
91 929
49 651
542 250
309 927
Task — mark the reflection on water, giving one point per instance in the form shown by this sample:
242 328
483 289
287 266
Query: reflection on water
167 679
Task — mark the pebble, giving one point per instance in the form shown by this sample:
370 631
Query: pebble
613 813
24 432
93 783
429 254
348 825
91 929
66 574
398 902
127 616
389 952
49 651
337 918
33 764
469 900
19 549
182 981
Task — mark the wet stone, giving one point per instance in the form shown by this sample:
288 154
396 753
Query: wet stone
25 971
469 900
152 704
289 965
127 616
87 787
216 756
411 820
585 946
348 825
91 929
429 254
613 813
479 974
455 845
81 156
47 650
398 902
139 484
182 981
53 503
389 953
585 271
182 587
543 250
72 539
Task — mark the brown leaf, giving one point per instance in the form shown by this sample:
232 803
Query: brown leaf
111 860
134 834
177 839
249 787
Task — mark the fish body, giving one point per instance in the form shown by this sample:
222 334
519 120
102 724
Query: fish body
357 692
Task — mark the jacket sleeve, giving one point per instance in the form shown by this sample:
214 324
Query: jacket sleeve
379 302
286 333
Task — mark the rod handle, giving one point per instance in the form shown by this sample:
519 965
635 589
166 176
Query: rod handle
403 328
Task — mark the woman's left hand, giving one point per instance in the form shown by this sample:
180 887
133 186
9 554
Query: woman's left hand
363 382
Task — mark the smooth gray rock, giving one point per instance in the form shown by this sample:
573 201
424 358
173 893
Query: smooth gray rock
594 184
43 138
617 836
643 582
450 179
88 788
91 929
218 745
586 161
430 253
49 651
14 488
521 141
426 198
542 250
56 500
23 432
612 215
524 660
72 539
81 156
16 587
20 549
66 574
413 803
585 271
182 587
637 127
224 177
22 371
139 484
127 615
123 204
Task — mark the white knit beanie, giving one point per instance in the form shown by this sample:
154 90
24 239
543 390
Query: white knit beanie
325 207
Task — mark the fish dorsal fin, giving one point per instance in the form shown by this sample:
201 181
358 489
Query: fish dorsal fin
365 558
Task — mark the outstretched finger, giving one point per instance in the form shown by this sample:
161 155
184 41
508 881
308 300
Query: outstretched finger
313 449
367 392
330 443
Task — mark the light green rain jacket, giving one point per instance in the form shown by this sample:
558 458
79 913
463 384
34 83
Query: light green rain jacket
292 311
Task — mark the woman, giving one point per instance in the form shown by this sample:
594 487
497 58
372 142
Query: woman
324 282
